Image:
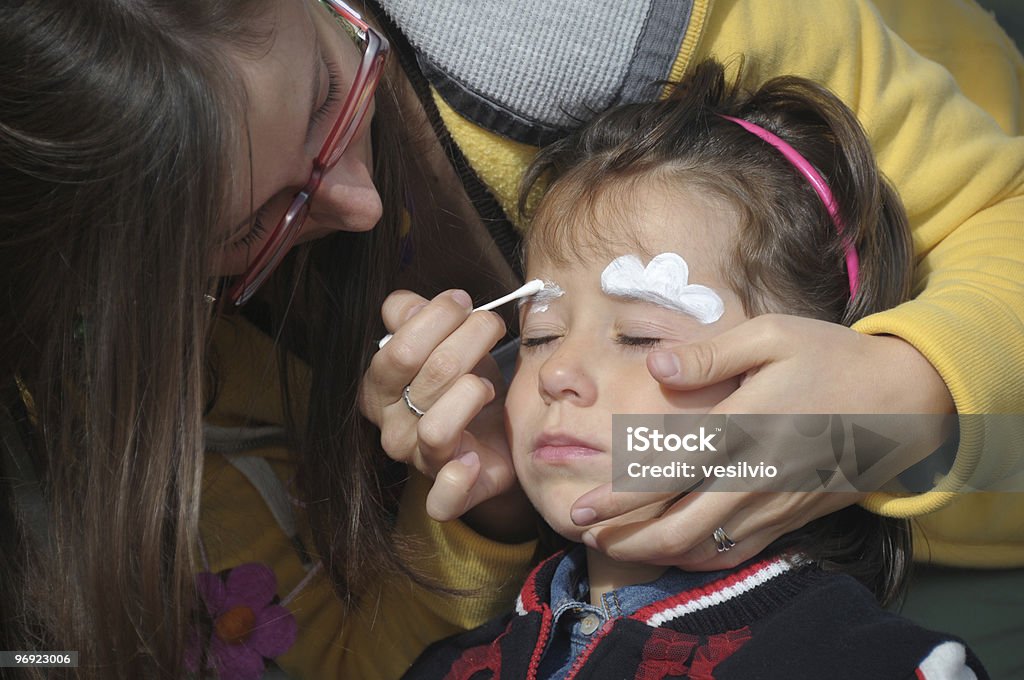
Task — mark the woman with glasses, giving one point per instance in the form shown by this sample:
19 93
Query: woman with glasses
202 206
173 501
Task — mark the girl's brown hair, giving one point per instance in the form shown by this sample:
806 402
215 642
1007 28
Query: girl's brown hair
118 120
790 254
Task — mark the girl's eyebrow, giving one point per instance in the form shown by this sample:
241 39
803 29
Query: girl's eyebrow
550 292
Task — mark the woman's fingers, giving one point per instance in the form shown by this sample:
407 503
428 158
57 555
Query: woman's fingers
401 305
457 354
435 344
441 431
468 480
684 536
736 351
419 327
668 536
450 495
439 343
604 503
437 396
795 364
447 392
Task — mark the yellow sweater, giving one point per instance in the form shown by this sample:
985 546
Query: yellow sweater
397 619
960 171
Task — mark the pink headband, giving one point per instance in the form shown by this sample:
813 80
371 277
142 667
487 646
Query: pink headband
820 187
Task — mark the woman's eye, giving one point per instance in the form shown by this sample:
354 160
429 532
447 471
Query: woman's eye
255 233
527 343
333 89
638 342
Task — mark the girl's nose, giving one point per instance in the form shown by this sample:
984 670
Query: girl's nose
564 376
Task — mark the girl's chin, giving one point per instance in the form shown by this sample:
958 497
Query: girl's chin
565 528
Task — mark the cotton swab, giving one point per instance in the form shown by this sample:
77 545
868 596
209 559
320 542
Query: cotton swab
527 289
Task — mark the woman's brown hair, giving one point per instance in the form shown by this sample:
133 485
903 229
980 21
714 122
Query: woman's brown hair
790 254
118 120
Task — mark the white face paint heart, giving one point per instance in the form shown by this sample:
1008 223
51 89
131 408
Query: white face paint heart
664 282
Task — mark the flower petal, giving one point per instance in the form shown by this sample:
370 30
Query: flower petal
274 632
236 662
251 584
211 588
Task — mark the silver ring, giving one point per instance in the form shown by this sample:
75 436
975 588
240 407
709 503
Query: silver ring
416 411
722 540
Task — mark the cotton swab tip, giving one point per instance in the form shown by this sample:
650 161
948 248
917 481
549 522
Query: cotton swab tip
527 289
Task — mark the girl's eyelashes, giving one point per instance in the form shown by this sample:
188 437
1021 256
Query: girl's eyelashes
637 342
527 343
629 341
333 90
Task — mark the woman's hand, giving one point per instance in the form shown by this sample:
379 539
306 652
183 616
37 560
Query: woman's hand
788 365
440 351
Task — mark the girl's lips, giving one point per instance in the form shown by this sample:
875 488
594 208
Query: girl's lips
555 449
556 454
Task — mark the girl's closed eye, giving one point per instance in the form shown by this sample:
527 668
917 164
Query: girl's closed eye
637 342
536 341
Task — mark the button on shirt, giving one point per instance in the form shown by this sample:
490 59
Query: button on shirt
576 623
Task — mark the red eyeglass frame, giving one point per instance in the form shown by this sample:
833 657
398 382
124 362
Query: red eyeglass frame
350 117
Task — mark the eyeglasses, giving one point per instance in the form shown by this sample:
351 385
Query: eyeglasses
375 50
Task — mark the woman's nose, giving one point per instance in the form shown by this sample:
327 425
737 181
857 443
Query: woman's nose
347 199
566 376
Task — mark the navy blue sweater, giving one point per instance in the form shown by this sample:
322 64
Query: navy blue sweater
769 618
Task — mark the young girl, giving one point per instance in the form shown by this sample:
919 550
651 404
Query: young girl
724 193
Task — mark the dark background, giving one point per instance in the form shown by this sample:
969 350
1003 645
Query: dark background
1010 14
